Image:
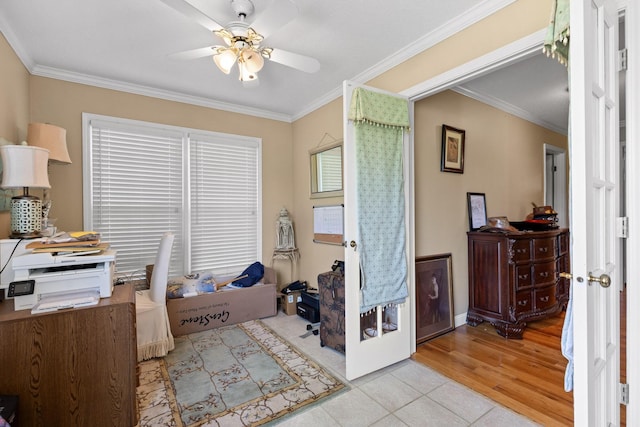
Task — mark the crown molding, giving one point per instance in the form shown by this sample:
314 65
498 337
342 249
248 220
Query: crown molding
105 83
457 24
446 30
508 108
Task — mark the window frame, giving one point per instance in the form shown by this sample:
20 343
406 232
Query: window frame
183 247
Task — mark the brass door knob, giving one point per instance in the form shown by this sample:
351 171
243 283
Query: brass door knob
604 280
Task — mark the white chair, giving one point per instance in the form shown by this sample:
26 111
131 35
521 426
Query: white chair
152 321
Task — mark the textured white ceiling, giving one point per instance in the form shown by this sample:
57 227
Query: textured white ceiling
125 44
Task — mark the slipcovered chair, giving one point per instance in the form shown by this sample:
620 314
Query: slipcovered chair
152 321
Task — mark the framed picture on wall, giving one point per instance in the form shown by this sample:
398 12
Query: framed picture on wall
452 159
477 207
434 290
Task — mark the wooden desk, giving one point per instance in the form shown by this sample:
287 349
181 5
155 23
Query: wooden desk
74 367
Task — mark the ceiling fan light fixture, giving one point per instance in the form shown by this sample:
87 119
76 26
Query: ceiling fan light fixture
246 75
252 60
224 59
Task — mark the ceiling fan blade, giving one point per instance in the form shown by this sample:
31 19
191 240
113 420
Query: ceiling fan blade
275 15
294 60
192 12
194 53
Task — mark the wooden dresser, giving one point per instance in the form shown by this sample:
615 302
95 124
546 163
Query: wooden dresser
514 278
74 367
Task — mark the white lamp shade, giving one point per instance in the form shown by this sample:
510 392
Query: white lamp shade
253 60
245 74
24 166
51 137
225 60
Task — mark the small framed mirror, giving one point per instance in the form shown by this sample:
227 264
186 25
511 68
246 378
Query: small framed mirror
326 171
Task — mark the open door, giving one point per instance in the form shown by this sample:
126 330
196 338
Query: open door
595 250
384 335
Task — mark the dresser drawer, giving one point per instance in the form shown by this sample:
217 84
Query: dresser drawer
524 302
544 248
543 273
545 298
523 277
521 250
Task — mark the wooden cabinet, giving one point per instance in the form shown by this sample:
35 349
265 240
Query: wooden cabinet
74 367
514 278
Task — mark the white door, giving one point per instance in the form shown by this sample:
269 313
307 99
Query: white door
593 153
368 346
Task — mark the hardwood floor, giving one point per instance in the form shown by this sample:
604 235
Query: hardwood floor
525 375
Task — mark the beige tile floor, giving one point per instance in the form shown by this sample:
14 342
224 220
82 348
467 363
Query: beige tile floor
405 394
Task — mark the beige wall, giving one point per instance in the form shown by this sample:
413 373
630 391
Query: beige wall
308 133
14 107
63 103
503 159
441 219
436 227
25 99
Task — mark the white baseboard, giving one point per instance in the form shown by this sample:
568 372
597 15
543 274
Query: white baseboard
460 319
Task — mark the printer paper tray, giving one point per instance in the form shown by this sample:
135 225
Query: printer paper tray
64 300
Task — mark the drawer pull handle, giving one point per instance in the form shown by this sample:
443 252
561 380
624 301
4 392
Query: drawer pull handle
545 299
543 249
523 276
544 274
523 302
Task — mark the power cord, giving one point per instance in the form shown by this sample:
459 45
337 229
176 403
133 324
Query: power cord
12 252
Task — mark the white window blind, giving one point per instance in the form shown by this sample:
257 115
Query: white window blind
330 170
145 179
224 200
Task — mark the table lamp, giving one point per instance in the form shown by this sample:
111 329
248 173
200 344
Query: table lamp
25 167
51 137
54 139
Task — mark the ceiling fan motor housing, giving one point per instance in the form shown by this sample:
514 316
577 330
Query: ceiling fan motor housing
242 8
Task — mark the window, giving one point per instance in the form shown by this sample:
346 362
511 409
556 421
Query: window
143 179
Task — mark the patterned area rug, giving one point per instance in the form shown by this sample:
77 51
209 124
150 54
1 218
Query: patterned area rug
238 375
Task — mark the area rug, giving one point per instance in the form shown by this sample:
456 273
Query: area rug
238 375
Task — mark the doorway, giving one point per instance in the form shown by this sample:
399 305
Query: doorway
555 182
458 75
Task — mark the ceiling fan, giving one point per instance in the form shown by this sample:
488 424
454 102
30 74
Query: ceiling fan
242 43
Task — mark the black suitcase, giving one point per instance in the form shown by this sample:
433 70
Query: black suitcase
331 290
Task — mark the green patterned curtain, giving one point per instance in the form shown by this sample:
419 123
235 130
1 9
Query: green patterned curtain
556 43
380 121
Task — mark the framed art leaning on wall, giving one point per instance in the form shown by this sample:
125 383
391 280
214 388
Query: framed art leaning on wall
434 290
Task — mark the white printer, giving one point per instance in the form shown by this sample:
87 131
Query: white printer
39 276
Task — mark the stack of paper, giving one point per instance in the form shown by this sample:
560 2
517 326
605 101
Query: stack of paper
71 243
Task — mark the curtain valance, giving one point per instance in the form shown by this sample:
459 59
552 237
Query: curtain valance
379 109
556 43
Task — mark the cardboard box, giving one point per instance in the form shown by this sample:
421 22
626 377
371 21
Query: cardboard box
223 307
289 302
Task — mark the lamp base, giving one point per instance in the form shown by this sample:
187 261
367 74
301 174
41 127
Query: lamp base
26 217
